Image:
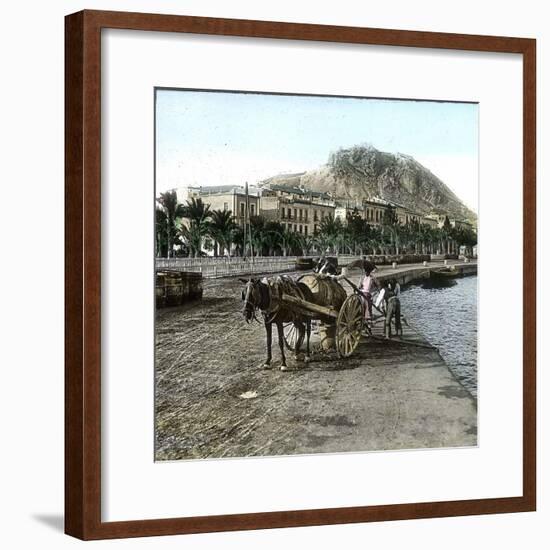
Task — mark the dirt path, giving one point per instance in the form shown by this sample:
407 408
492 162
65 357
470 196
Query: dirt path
386 396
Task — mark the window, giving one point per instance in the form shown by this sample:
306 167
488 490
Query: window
242 209
305 230
225 207
252 209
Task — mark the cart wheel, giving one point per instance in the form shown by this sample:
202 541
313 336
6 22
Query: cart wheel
349 325
291 335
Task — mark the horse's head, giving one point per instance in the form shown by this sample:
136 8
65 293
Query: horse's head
319 263
251 297
326 266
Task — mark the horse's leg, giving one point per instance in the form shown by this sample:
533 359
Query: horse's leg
281 345
299 340
308 334
268 333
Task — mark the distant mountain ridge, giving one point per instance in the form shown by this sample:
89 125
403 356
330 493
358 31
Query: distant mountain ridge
364 172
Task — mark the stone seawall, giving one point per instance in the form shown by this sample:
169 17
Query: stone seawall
408 274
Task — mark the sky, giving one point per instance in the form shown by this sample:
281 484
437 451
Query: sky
220 138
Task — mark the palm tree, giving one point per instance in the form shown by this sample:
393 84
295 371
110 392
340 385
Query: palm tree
173 211
330 231
374 240
257 234
196 210
465 237
390 224
222 229
445 231
198 214
409 236
193 236
238 241
358 230
161 240
288 241
304 242
274 231
424 238
265 235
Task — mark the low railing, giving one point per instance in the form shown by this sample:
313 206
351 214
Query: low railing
223 266
227 267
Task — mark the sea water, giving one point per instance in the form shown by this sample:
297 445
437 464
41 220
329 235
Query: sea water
446 314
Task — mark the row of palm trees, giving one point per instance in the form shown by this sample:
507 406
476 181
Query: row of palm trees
216 231
191 237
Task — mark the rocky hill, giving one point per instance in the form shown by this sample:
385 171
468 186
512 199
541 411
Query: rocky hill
363 172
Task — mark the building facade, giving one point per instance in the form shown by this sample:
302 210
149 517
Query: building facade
297 209
301 210
373 211
296 215
439 220
225 197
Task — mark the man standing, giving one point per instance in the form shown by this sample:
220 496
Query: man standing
393 308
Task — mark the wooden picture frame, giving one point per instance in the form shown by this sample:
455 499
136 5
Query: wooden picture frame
83 274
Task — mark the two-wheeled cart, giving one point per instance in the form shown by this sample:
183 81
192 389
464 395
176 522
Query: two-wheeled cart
349 320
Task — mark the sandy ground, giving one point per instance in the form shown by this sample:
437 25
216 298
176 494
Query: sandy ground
213 399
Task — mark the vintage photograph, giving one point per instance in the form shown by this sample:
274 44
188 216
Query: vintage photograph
315 274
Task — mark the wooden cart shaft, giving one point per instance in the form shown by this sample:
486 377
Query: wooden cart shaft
309 307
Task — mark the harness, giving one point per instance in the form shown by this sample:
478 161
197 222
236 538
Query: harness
271 296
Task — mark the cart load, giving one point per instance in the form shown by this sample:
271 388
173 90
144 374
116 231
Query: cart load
340 315
325 291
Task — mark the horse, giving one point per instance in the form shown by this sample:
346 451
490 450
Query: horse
264 296
326 266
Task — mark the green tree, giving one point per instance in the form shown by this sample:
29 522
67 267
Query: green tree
238 241
330 231
161 237
358 232
446 236
173 212
390 225
196 210
258 234
305 243
375 239
288 241
193 236
274 230
198 215
222 229
466 237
